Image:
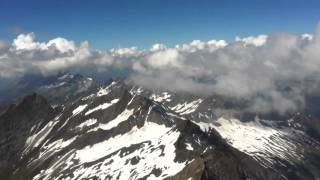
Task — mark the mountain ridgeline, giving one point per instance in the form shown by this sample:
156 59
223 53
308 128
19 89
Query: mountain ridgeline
74 128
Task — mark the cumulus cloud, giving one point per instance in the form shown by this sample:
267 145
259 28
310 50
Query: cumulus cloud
272 73
62 44
197 45
251 40
157 47
26 55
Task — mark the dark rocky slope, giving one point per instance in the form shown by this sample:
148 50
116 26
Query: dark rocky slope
112 134
17 123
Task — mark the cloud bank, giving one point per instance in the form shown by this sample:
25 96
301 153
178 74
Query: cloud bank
274 73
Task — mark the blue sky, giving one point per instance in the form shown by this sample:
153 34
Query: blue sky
141 23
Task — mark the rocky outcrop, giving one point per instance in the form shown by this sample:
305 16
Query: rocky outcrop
17 123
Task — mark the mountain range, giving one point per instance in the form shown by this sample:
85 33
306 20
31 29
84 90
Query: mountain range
71 127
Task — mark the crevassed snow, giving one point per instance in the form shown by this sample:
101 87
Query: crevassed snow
102 106
165 96
256 139
187 108
88 122
79 109
114 123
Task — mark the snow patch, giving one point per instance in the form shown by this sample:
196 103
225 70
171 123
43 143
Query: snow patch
189 147
79 109
102 106
55 146
165 96
187 108
88 97
103 92
114 123
205 127
135 91
152 136
106 90
36 139
257 139
88 122
156 151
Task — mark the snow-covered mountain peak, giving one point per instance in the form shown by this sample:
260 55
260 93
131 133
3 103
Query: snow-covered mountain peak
114 131
109 133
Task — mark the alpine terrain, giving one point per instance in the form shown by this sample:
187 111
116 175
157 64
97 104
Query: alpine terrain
119 130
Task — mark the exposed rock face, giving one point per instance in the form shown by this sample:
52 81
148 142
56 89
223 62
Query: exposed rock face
19 122
114 134
111 132
287 143
223 162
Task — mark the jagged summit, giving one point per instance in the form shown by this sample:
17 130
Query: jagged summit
111 133
18 123
34 98
116 131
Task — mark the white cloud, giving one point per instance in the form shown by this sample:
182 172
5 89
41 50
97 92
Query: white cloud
272 72
158 47
251 40
197 45
161 59
125 52
29 56
26 42
306 36
62 44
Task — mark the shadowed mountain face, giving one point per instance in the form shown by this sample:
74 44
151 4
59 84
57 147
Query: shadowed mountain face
18 122
117 131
